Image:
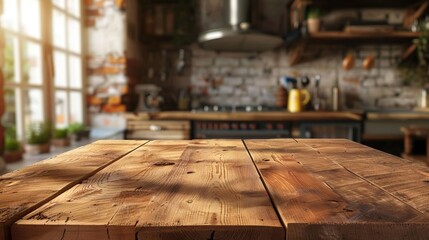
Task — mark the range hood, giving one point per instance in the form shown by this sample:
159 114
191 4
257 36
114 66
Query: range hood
238 34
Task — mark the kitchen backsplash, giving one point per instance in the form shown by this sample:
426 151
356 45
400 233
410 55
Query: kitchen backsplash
252 79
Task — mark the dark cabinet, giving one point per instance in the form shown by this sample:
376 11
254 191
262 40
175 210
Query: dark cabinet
166 21
351 130
241 129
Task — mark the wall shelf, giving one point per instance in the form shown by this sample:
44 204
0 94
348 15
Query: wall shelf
385 32
398 35
359 4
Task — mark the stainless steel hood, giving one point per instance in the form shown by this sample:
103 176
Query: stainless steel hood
238 34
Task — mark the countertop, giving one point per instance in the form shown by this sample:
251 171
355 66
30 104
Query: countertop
247 116
353 115
217 189
400 115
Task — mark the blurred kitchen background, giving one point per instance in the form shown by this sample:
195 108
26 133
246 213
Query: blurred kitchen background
76 71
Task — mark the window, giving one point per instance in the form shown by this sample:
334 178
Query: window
43 75
67 56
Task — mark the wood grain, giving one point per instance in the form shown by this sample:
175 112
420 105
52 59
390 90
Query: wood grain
318 198
25 190
163 190
356 231
390 173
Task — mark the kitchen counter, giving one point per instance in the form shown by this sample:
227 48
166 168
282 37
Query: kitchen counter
217 189
282 116
399 115
387 124
248 116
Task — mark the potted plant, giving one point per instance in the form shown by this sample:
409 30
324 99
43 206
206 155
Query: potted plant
78 131
414 65
38 138
61 138
313 20
13 151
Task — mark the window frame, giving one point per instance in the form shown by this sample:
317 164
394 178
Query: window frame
68 53
47 86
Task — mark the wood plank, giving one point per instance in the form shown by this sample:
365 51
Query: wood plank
397 116
25 190
363 35
340 4
407 182
320 199
367 231
412 15
141 116
200 189
416 158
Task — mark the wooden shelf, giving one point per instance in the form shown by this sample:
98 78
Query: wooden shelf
359 4
298 9
363 35
345 39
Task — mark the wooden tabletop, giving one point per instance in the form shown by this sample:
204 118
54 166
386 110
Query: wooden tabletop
217 189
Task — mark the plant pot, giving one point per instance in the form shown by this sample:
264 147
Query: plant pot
60 142
11 157
313 25
78 136
37 148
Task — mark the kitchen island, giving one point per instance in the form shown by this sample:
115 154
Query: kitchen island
217 189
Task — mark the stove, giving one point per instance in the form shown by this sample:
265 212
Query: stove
222 129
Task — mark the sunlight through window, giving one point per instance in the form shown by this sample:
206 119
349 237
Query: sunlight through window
35 44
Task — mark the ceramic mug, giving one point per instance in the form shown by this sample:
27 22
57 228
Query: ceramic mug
298 98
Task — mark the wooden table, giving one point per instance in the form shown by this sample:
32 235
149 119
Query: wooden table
410 133
217 189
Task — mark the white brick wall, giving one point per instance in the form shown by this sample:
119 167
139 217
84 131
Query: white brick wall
253 78
233 81
202 61
226 62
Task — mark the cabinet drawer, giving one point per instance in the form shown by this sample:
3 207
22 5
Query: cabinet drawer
158 130
158 125
158 135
